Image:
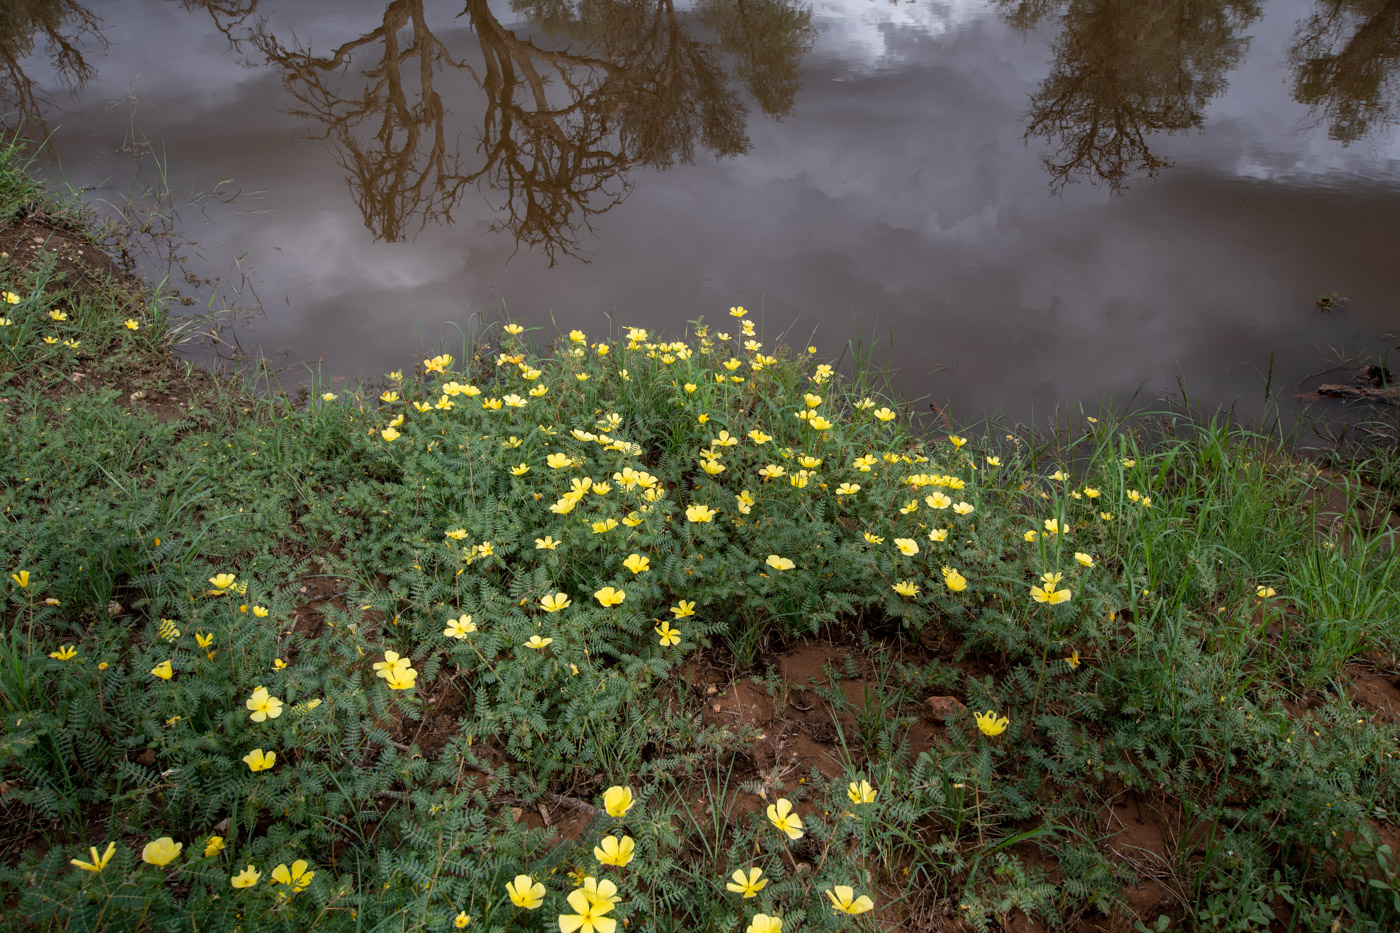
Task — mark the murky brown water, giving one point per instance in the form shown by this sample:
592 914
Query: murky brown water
1021 201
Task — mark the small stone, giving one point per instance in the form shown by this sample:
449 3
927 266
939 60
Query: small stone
945 708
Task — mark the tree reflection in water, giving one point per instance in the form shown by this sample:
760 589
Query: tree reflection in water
1345 59
631 82
1123 71
60 27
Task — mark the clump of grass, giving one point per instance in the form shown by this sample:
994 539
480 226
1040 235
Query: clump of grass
342 652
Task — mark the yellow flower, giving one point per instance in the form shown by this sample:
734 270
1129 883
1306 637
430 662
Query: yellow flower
884 414
1059 476
98 862
161 851
1085 560
65 653
542 390
588 916
964 508
401 679
1264 592
328 396
954 580
994 461
1052 526
907 546
699 513
164 670
608 596
525 892
514 401
690 387
213 846
58 315
390 434
956 441
536 643
1106 516
747 884
11 298
683 609
1129 463
460 627
938 534
1049 594
438 364
779 563
937 500
781 815
873 539
1031 535
1091 492
990 724
1073 660
246 878
712 467
906 588
513 330
577 336
521 469
848 489
389 397
462 921
297 877
606 525
669 636
759 437
222 582
391 664
617 800
553 602
637 563
547 543
263 705
559 461
260 612
844 901
132 324
862 792
762 923
614 851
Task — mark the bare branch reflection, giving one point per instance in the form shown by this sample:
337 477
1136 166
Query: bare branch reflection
1125 71
1346 58
58 27
625 82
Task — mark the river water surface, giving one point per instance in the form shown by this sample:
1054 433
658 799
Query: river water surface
1018 201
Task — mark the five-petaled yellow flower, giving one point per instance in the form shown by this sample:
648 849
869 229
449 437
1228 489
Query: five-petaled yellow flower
98 862
1085 560
990 724
297 877
547 543
589 914
637 563
1264 592
538 644
617 800
553 602
21 579
461 921
781 815
907 546
164 670
222 582
669 636
747 884
525 892
844 901
779 563
906 588
608 596
954 580
683 609
460 627
614 851
258 760
161 851
1048 593
213 846
861 792
263 705
246 878
762 923
65 652
699 513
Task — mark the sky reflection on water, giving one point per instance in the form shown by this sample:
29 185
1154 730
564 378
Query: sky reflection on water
1039 200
